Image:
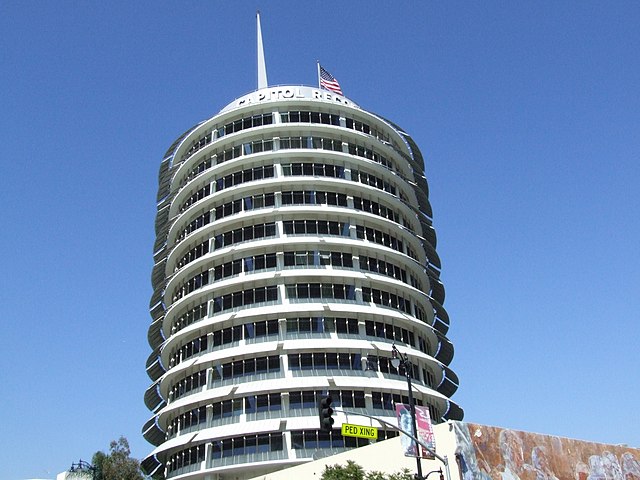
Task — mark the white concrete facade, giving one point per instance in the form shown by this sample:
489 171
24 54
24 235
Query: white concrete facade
294 247
386 457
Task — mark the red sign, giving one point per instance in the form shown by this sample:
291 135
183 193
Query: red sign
423 427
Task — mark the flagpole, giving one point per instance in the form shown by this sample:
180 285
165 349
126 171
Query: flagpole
318 64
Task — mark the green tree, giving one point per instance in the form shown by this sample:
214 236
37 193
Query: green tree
353 471
117 464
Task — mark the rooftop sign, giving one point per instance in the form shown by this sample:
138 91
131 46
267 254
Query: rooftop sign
272 94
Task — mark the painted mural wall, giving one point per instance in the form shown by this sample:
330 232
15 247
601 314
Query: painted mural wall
485 452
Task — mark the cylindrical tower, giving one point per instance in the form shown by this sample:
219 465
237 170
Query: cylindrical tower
294 247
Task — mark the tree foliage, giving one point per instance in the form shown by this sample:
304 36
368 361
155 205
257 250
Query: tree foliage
353 471
117 464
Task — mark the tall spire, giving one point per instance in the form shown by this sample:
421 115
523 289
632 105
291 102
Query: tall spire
262 68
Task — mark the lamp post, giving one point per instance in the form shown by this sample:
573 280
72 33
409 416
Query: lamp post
398 359
435 471
83 466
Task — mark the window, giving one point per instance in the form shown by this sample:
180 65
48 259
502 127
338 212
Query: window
314 227
246 445
190 316
303 291
238 235
245 297
194 225
324 361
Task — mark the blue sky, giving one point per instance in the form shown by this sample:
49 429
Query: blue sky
528 114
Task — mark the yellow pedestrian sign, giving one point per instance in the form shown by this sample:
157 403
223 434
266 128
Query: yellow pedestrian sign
361 431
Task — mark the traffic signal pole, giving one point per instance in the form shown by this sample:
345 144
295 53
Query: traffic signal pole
444 459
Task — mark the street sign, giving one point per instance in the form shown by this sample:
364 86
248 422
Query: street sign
361 431
423 427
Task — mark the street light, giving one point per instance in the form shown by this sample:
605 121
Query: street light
398 359
82 467
435 471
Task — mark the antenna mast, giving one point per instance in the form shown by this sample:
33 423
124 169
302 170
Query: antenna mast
262 68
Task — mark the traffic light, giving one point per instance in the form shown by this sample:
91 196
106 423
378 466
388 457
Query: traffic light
325 411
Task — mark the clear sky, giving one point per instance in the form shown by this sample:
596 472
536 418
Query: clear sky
528 114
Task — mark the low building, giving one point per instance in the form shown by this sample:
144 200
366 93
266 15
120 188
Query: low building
483 452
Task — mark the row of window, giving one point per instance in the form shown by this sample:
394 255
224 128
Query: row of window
186 457
300 291
296 116
234 207
225 336
364 128
390 332
193 254
246 367
315 227
351 361
341 398
192 315
318 258
316 439
286 143
194 417
194 225
229 370
243 298
325 361
230 180
329 291
238 369
265 403
248 203
188 384
290 227
312 197
306 258
297 197
194 283
264 328
231 127
385 365
244 123
264 443
313 169
388 401
251 404
389 269
372 181
298 399
244 234
310 169
297 291
378 209
379 237
243 176
322 325
197 196
247 445
192 348
228 447
386 299
254 263
318 143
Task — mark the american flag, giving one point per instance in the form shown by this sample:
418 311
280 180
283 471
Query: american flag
329 82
